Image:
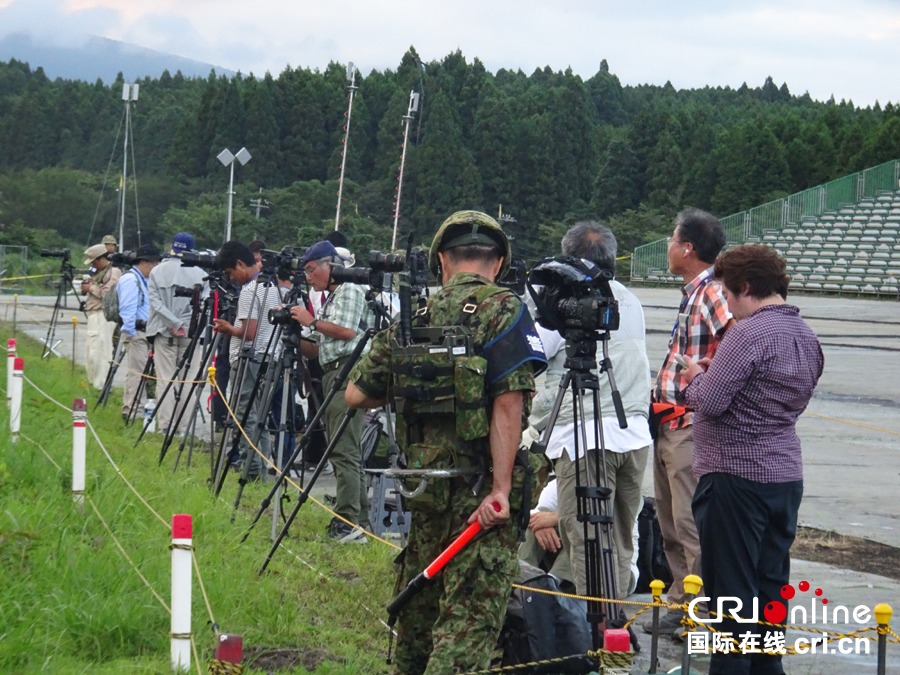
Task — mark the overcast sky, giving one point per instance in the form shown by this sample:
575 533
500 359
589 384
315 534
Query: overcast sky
850 49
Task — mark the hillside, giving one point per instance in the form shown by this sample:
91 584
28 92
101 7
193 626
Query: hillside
548 147
96 57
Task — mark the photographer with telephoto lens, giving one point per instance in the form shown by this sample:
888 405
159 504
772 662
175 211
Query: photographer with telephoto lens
99 342
134 310
170 318
335 331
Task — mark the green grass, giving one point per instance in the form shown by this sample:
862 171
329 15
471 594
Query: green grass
71 603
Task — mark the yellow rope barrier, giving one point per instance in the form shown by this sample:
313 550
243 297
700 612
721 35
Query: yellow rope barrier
287 477
33 276
143 578
855 424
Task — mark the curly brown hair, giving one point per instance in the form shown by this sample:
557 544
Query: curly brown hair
755 268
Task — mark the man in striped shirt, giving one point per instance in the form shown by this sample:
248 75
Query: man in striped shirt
702 320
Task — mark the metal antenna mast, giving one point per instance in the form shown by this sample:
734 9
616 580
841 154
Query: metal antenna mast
129 94
351 75
407 118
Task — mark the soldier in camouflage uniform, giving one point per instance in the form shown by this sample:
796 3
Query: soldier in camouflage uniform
454 624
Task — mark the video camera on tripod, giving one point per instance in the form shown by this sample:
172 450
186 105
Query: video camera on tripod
575 295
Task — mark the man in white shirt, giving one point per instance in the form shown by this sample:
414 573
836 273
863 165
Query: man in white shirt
627 449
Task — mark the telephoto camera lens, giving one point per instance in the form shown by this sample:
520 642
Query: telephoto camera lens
351 275
386 262
65 254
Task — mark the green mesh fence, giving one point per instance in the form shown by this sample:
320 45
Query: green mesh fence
739 227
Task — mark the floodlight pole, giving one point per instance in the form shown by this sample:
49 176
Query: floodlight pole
230 201
351 75
407 118
227 159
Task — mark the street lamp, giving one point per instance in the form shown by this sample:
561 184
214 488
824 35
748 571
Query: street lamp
227 159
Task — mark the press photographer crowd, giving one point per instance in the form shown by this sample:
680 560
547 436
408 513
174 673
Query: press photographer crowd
452 393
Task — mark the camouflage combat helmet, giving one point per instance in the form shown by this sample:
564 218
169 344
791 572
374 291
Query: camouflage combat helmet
484 230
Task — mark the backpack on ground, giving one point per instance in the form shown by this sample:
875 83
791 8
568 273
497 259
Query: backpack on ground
539 626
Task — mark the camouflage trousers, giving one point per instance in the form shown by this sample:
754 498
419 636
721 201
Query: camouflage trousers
454 624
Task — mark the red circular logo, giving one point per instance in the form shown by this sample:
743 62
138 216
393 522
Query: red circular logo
775 612
787 591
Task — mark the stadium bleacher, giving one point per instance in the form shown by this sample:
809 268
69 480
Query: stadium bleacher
853 249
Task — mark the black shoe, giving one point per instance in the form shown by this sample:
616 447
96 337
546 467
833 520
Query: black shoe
342 533
668 622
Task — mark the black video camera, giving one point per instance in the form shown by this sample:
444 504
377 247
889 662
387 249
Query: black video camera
65 254
123 259
575 295
185 292
207 261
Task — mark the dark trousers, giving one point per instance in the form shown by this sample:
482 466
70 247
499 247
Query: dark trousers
746 530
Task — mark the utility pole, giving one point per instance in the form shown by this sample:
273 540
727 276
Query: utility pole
260 204
407 118
351 75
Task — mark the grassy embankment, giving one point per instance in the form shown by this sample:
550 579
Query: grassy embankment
71 603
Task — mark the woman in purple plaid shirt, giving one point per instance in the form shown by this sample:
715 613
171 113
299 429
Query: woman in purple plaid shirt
746 451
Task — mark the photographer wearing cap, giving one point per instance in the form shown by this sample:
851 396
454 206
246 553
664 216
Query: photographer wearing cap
134 310
170 318
628 449
335 331
99 342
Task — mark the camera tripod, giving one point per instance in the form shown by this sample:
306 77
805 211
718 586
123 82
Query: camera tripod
118 355
594 506
66 283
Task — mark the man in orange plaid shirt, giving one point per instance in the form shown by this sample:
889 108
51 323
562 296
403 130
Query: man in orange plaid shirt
702 320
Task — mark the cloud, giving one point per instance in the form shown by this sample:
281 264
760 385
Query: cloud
824 47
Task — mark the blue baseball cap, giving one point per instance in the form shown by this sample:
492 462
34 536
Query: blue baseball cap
319 250
181 242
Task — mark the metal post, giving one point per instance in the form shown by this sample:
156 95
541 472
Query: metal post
15 414
413 105
124 172
656 587
10 362
74 326
79 442
15 311
181 592
883 614
692 585
230 198
351 75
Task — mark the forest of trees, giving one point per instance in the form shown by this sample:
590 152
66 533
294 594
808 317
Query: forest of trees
550 147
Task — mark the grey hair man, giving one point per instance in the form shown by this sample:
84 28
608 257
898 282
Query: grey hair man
628 449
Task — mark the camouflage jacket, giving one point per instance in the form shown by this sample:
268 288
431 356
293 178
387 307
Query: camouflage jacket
433 441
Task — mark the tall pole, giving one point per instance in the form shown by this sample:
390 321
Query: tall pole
407 118
124 171
351 75
230 197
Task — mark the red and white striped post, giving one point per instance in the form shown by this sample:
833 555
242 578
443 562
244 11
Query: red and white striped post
15 413
79 442
181 591
10 358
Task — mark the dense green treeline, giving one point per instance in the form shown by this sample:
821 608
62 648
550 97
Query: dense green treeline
549 147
